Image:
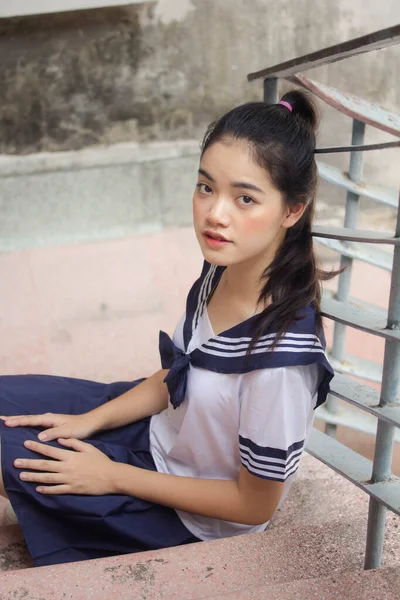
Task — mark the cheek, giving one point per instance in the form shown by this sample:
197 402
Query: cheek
197 212
201 207
195 202
261 224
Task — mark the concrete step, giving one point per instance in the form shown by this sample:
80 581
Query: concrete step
382 584
201 570
96 193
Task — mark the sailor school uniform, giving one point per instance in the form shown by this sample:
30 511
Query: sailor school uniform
228 408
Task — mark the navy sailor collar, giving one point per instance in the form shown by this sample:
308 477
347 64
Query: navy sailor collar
227 352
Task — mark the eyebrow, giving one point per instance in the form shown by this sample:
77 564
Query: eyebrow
235 184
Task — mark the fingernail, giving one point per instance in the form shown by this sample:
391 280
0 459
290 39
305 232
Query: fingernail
18 463
28 443
42 436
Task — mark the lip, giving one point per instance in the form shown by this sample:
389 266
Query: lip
215 235
214 239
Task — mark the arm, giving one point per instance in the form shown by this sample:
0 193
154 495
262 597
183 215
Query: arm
144 400
250 500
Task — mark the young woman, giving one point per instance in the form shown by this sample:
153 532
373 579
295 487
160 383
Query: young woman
206 447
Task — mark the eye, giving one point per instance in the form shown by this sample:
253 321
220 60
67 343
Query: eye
203 188
245 201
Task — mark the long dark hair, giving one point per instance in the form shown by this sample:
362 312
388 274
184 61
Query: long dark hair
283 143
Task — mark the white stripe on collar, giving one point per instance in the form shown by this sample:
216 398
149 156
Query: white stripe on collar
287 349
242 340
214 343
203 296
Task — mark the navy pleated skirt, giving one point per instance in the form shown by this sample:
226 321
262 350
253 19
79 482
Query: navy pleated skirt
69 527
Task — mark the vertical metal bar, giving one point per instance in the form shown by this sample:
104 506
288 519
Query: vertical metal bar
350 220
271 90
385 433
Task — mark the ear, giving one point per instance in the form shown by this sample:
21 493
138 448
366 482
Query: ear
293 214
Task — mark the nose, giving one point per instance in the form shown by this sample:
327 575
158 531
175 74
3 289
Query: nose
218 214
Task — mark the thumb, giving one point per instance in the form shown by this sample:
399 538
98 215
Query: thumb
76 445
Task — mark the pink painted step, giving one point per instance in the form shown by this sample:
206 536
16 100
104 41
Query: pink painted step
382 584
203 570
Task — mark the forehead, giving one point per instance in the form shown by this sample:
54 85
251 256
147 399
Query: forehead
234 160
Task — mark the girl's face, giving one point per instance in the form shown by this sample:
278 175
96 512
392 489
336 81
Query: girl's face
239 216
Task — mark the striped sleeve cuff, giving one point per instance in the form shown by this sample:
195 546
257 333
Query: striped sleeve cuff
270 463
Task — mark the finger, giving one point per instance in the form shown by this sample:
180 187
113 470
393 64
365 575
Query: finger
37 477
11 416
37 465
76 445
30 421
46 449
10 419
55 489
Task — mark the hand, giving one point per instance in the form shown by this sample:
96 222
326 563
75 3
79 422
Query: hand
60 426
86 471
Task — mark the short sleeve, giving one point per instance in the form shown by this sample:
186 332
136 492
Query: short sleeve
276 415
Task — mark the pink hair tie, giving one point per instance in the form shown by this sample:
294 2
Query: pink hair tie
289 106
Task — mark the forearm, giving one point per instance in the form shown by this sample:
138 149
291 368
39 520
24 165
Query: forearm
216 498
144 400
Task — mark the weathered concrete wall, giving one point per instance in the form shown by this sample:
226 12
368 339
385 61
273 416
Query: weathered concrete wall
163 70
95 193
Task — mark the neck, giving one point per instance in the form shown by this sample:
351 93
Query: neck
242 283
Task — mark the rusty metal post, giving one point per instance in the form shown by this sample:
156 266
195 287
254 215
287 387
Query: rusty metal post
271 90
382 468
350 221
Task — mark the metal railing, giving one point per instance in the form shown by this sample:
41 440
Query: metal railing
373 477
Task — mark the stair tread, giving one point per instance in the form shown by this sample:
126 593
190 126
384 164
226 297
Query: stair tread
276 556
380 583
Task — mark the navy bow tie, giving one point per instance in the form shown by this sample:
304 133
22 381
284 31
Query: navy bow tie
177 362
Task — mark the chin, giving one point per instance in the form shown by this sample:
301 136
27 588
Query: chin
219 258
213 258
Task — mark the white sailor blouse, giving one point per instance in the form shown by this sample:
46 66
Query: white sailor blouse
229 408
